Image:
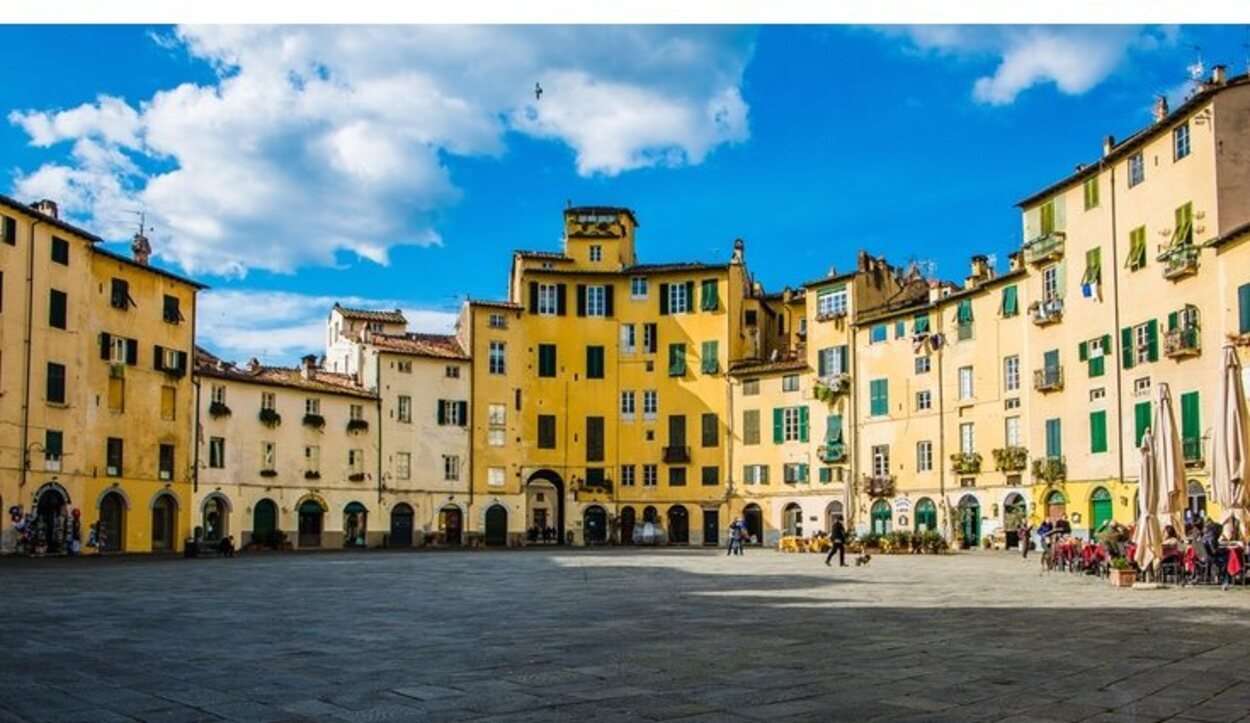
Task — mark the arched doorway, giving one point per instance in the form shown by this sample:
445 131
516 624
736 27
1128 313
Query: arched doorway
401 525
1056 505
355 525
650 514
496 525
1100 510
970 521
627 525
1015 511
882 518
753 518
544 500
52 515
926 515
264 523
1197 495
711 526
164 523
833 511
311 519
678 525
451 524
792 520
215 518
111 528
595 525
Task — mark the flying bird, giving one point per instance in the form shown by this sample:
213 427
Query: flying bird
538 92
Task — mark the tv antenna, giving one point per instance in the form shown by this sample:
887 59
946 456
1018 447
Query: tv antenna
1198 68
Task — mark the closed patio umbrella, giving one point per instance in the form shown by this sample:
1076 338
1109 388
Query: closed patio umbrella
1149 534
1230 463
1169 463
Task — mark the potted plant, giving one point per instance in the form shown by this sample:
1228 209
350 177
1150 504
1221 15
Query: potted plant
316 421
356 477
357 425
270 417
218 409
312 474
269 473
1122 573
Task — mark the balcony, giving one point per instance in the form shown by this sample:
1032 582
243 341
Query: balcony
879 485
832 452
1048 379
676 455
1179 261
1047 312
836 315
1047 247
828 389
1191 451
1050 470
1010 459
1181 343
966 463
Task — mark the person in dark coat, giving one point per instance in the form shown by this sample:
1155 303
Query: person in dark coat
837 536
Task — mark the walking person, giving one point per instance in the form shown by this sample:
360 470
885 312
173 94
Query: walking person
734 531
1024 535
837 536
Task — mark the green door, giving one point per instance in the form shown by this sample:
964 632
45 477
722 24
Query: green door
264 522
1099 509
881 518
970 521
926 515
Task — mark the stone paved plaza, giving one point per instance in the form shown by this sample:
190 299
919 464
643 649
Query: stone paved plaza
609 635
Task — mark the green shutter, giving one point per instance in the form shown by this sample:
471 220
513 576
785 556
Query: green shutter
878 403
1172 319
826 475
1010 305
1190 417
710 296
1054 438
1243 308
1082 350
1050 359
1126 347
676 360
964 313
803 472
1152 340
1097 432
1097 366
921 325
1141 416
803 436
833 428
663 299
778 426
690 307
711 354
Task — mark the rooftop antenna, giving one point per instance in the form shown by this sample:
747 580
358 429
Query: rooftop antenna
1198 68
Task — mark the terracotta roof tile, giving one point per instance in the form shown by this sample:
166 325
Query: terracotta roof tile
386 317
439 346
208 365
756 366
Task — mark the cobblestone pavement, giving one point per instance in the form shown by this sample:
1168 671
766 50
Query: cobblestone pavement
610 635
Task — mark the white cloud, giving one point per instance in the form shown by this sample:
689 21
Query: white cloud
278 327
1073 58
317 140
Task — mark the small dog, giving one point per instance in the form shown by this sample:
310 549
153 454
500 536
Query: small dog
862 560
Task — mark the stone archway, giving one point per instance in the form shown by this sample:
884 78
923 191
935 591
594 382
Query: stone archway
753 518
629 520
451 524
543 511
215 517
111 525
401 525
264 522
678 525
496 525
164 523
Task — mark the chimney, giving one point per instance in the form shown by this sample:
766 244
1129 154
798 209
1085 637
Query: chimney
47 208
140 249
253 365
1015 261
1108 145
1219 75
307 365
861 262
1161 109
786 295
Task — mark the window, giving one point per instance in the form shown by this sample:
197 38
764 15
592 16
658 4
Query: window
596 253
709 362
638 287
594 439
1046 215
711 429
831 304
1013 403
923 364
495 364
451 468
1011 301
963 319
1091 192
831 361
53 444
755 474
1097 432
219 394
8 230
1011 431
55 391
1145 346
676 360
924 456
1050 283
495 477
966 442
1180 141
1097 393
498 321
790 383
678 298
880 460
356 462
596 301
629 339
650 475
312 459
166 469
58 303
676 476
1136 169
594 362
60 251
1011 373
794 473
451 372
627 405
404 412
113 457
900 329
268 454
790 424
404 366
879 397
312 405
751 426
750 387
650 405
1141 386
924 400
497 418
548 299
877 334
1137 249
170 311
546 431
649 339
628 472
965 382
1183 228
1191 427
750 318
546 360
1094 352
453 413
119 294
169 402
711 476
217 452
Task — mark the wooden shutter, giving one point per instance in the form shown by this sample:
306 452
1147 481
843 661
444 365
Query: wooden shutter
106 346
1126 347
1141 417
1097 431
462 409
581 299
778 425
663 299
690 307
803 435
822 362
441 412
533 297
1190 417
1082 350
833 428
158 358
1152 340
561 308
1243 308
608 305
10 231
844 360
132 352
1054 441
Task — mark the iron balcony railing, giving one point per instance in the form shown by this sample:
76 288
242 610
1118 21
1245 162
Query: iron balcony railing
676 455
1179 261
1191 450
1046 312
1044 248
879 485
832 452
1179 343
1048 379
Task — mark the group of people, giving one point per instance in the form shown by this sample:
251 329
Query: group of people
541 534
738 536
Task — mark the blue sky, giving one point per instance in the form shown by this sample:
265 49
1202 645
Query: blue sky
290 167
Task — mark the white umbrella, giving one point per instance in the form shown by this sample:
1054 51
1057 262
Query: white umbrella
1230 464
1169 462
1149 534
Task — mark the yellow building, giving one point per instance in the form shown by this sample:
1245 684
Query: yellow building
96 397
